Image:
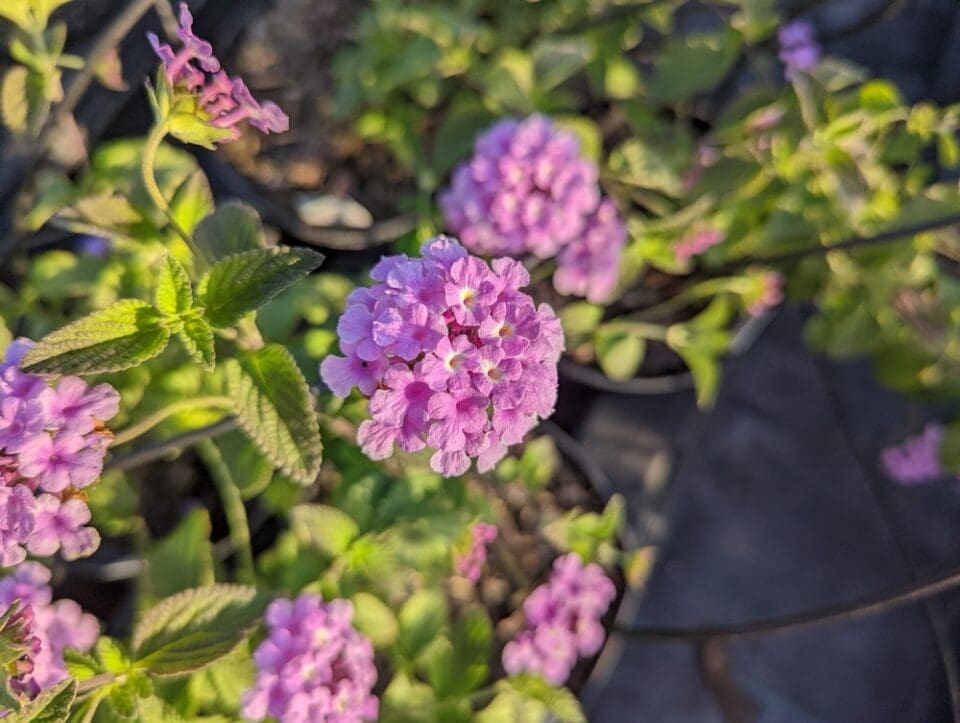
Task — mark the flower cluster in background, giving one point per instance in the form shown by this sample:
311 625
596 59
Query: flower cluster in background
226 100
313 666
452 355
916 459
52 444
470 564
528 190
799 50
563 621
56 625
697 244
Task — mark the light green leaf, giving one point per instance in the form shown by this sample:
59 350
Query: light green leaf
325 528
23 102
556 59
192 629
619 353
421 619
250 471
244 282
119 337
183 559
196 335
586 131
174 294
275 409
459 666
373 618
580 319
190 128
233 228
51 706
561 703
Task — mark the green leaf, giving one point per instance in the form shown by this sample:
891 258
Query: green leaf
406 698
234 227
183 559
692 64
196 335
275 409
119 337
325 528
580 319
459 666
194 628
174 293
111 655
250 471
619 353
14 104
51 706
373 618
244 282
562 703
421 619
557 59
588 133
192 129
950 447
655 164
81 665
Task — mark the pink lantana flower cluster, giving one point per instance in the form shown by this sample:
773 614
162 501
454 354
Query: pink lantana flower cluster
57 626
452 354
313 667
469 565
563 621
528 190
916 459
226 100
52 444
697 244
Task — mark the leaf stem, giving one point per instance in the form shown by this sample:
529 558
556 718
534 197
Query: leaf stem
174 445
640 328
148 168
184 405
235 512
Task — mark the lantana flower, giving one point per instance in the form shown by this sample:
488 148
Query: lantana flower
452 355
562 621
225 101
528 190
52 444
799 50
470 564
313 667
55 626
916 459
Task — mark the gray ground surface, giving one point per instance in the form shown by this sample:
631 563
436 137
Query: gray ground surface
773 501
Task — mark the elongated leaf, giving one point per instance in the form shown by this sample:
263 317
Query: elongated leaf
233 228
14 104
174 294
121 336
275 409
51 706
190 630
373 618
183 559
562 704
197 338
246 281
421 619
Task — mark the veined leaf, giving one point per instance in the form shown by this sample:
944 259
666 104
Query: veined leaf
233 228
326 528
246 281
276 411
197 338
51 706
121 336
174 294
192 629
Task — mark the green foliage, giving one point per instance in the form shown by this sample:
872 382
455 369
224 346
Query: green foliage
244 282
52 705
121 336
191 630
232 229
182 560
275 409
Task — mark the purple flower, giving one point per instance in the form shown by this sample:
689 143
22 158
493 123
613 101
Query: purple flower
52 439
313 665
59 462
697 244
57 626
452 355
527 189
227 101
471 563
916 459
563 621
96 246
799 50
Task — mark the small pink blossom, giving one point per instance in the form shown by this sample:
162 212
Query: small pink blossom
916 459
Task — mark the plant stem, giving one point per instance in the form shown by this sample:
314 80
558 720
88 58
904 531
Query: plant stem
235 512
184 405
150 147
640 328
163 449
841 612
684 298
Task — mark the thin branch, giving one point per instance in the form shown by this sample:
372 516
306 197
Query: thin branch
172 446
854 242
841 612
